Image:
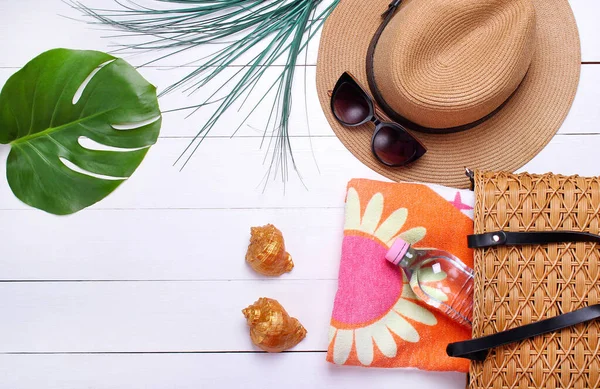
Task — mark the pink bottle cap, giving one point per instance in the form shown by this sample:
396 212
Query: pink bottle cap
397 251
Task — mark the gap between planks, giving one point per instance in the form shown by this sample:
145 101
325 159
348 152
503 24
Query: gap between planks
59 281
242 66
158 352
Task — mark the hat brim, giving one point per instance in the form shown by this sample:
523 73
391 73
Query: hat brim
506 141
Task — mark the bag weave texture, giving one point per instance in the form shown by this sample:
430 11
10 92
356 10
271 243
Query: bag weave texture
519 285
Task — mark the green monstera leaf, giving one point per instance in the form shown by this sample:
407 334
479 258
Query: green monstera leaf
60 112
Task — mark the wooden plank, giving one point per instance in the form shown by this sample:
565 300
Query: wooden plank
46 28
227 173
304 100
583 117
188 122
587 13
64 26
193 371
163 244
152 316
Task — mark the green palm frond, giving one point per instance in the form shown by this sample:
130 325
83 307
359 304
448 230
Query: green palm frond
283 28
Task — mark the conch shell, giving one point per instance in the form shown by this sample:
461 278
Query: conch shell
266 252
271 328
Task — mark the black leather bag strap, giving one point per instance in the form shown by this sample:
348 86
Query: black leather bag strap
477 349
504 238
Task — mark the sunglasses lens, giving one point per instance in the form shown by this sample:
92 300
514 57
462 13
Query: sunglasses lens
396 147
350 104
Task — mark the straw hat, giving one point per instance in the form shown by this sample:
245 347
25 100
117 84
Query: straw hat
483 84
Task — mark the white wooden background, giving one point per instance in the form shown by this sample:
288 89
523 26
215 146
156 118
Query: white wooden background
144 289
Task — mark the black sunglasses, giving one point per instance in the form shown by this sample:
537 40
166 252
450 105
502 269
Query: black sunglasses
391 144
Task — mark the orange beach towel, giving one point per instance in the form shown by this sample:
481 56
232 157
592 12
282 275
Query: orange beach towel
377 320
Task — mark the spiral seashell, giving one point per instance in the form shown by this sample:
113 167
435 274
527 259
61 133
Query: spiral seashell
266 252
271 328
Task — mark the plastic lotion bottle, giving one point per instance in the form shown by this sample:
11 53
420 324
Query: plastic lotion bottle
438 278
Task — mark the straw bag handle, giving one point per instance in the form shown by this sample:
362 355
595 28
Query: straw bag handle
506 238
477 349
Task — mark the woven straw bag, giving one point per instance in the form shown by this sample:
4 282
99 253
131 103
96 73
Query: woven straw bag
514 286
